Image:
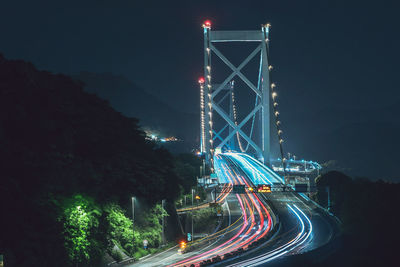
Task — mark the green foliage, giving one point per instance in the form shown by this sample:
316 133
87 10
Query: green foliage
74 150
116 255
150 225
119 226
205 218
140 253
80 220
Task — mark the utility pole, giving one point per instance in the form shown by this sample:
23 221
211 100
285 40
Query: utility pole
192 215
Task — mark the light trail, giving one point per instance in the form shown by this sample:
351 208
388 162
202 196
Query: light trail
300 238
244 161
249 203
238 169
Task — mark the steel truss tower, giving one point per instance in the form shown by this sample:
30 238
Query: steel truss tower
209 90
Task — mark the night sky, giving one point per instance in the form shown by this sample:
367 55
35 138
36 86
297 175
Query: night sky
330 57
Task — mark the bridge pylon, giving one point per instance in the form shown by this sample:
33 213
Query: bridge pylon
210 89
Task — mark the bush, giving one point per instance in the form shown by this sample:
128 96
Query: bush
140 253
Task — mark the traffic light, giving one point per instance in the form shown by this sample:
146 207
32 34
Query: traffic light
189 237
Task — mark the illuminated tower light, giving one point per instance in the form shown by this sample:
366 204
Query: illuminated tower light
207 24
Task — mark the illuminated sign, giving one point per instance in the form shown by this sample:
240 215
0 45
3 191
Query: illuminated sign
263 188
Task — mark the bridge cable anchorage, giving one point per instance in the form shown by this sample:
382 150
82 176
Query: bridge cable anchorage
275 103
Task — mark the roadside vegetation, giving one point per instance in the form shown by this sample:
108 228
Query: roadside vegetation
70 165
367 210
205 220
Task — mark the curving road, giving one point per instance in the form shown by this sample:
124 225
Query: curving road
300 224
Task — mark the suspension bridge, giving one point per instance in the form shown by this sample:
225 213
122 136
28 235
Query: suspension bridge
259 224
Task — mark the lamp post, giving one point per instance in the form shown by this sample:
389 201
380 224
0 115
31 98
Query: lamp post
133 214
192 215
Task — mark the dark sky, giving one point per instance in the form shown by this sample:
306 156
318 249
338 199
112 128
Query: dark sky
328 55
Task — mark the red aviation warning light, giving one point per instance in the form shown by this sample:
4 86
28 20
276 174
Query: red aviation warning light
201 80
207 24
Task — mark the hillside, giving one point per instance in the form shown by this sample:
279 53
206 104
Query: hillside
132 101
70 165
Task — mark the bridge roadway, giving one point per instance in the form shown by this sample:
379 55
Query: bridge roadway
302 225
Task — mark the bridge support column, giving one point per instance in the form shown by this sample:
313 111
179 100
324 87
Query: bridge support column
265 86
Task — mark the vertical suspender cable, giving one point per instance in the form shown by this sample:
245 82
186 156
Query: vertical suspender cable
275 104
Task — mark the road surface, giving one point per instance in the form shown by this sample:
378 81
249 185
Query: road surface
300 225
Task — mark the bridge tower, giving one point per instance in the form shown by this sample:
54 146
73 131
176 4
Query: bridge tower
263 91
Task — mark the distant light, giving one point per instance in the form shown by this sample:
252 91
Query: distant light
183 244
201 80
274 94
207 24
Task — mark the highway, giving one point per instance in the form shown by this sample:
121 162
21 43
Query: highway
303 226
299 225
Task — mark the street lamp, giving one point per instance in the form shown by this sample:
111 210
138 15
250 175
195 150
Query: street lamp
133 213
192 214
